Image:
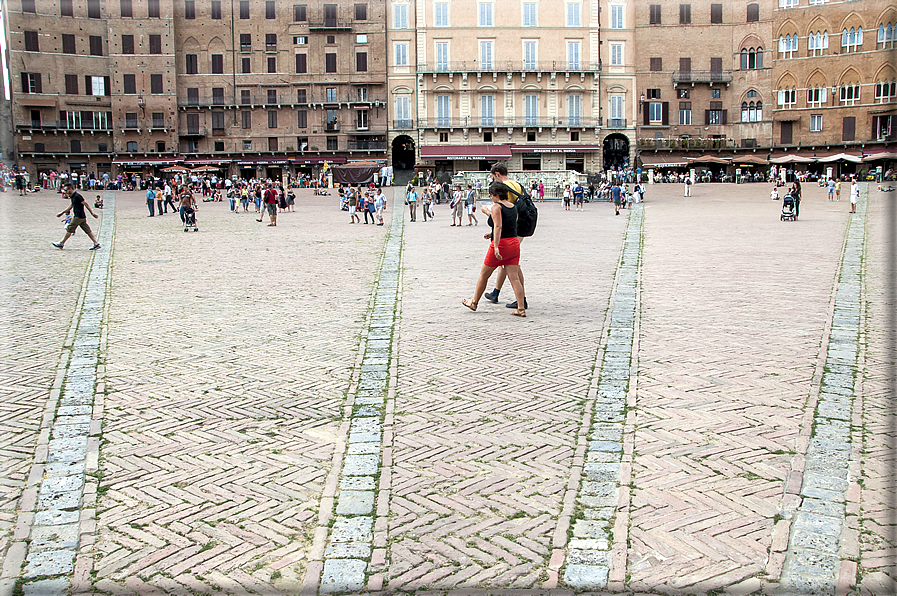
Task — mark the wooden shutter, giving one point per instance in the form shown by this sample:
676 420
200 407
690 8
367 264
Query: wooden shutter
107 86
725 116
646 114
850 126
786 132
361 61
665 113
301 63
26 86
706 117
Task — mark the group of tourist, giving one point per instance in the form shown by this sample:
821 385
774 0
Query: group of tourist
371 201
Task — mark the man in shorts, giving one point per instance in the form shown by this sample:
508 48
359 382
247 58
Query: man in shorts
271 204
79 218
470 203
500 172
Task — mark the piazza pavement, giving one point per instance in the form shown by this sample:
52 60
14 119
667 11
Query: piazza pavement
700 401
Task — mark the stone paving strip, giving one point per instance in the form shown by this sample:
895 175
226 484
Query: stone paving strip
823 546
58 505
596 553
357 534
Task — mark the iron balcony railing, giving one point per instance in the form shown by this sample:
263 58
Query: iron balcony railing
686 143
516 122
402 124
367 145
279 100
702 76
615 123
508 66
61 125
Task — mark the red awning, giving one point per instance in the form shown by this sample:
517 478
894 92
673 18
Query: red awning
147 161
466 152
312 160
207 162
264 161
556 148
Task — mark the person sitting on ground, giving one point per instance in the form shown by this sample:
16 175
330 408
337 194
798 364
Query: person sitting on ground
98 204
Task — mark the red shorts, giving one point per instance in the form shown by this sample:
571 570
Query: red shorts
510 253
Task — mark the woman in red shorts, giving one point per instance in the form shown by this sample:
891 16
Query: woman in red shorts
505 252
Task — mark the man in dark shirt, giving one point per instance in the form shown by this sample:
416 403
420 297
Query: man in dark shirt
79 218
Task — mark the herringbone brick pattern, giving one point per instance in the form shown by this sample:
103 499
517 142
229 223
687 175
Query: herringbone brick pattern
40 286
487 405
230 353
734 306
878 533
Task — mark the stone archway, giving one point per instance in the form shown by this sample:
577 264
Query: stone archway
403 153
616 152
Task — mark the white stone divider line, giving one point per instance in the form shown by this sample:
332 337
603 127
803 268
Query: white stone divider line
56 515
592 558
819 545
363 491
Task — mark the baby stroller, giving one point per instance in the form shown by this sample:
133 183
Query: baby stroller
190 219
788 209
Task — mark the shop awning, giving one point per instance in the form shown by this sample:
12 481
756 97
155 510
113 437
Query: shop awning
147 161
886 155
750 159
841 157
207 162
792 158
662 161
264 161
711 159
466 152
313 160
556 148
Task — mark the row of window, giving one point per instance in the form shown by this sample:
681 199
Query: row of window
67 8
655 14
847 94
486 15
487 55
750 58
153 9
817 42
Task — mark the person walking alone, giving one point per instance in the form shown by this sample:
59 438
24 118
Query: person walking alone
79 217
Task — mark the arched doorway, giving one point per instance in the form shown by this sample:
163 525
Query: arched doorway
616 152
403 155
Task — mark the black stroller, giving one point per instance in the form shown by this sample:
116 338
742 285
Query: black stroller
190 219
789 212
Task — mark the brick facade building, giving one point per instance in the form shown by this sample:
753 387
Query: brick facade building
268 88
258 87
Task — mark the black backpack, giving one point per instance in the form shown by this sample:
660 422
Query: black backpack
527 214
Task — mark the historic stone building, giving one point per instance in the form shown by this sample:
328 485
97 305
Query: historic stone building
266 88
258 87
834 85
514 81
704 71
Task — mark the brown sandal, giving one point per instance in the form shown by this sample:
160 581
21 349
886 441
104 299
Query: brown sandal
469 304
519 313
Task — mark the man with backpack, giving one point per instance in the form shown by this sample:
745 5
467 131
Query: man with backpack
526 222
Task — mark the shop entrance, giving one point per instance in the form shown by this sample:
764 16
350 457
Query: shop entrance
616 152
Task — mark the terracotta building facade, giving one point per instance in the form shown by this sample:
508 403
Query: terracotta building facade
256 87
266 88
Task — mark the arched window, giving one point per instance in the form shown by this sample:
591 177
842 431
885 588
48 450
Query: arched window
816 96
885 91
745 112
751 58
850 94
851 40
788 46
753 12
758 112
